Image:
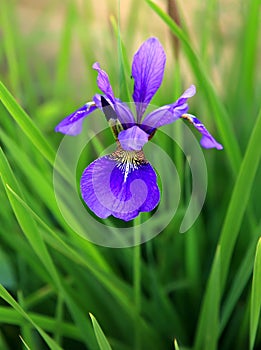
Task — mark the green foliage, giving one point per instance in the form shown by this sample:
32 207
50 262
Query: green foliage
101 339
196 287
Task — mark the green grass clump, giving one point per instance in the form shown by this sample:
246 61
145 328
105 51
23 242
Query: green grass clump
199 290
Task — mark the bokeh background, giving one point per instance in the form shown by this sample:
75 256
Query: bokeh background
201 288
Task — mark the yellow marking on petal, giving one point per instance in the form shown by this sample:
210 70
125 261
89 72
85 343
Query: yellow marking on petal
128 161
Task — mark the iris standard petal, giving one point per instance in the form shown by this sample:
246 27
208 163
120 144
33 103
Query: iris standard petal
207 140
169 113
103 82
133 139
113 186
72 125
147 70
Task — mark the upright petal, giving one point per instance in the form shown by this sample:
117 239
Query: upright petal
103 82
72 125
207 140
133 139
169 113
147 70
121 189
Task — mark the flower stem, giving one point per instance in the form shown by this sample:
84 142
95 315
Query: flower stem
137 281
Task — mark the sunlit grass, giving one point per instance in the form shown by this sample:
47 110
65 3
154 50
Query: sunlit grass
201 288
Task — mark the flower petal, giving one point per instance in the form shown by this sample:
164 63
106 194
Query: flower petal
119 189
103 82
147 70
207 140
169 113
133 139
72 125
124 114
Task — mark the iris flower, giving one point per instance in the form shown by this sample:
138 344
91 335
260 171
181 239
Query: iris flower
123 183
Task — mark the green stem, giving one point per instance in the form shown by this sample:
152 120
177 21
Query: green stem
137 281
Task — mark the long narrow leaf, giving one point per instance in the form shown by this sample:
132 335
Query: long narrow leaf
237 207
26 124
208 325
221 117
100 336
26 222
10 300
255 296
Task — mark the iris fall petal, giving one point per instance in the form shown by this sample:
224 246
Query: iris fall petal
112 188
72 125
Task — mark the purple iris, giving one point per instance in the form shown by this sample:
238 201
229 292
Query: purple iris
123 183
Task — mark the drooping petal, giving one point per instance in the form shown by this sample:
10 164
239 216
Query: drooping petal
147 70
103 82
72 125
133 139
207 140
169 113
123 190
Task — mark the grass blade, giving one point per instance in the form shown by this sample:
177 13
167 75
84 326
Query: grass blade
255 296
10 300
26 222
208 325
249 50
239 199
101 339
237 207
221 117
26 124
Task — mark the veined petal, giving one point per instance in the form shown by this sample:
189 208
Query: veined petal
122 111
112 185
133 139
147 70
189 92
207 140
72 125
169 113
103 82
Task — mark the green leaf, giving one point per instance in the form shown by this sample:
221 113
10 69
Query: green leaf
237 206
255 304
208 325
101 339
65 48
26 222
10 300
249 49
240 280
9 315
221 116
26 124
7 275
25 344
176 346
239 201
125 70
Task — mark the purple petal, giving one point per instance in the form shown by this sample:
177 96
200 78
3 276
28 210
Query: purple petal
103 82
72 125
169 113
123 190
124 114
147 70
207 140
133 139
189 92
